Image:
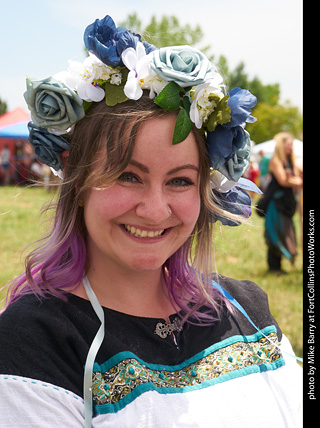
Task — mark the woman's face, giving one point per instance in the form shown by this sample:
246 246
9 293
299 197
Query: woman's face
130 225
288 146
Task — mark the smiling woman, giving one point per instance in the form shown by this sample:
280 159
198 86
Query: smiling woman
157 194
119 318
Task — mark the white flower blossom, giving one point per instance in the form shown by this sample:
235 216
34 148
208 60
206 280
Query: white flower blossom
82 77
153 83
141 76
138 62
115 79
204 100
97 70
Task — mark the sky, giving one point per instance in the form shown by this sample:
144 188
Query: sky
38 37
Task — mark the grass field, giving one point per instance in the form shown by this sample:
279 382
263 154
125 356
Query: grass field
240 254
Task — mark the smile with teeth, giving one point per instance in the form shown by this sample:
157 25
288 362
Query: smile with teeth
139 233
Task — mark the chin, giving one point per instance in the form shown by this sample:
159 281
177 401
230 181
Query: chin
151 263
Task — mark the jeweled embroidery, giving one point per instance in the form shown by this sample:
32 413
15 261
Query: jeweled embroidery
123 378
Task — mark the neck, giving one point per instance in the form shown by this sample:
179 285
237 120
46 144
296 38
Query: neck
134 293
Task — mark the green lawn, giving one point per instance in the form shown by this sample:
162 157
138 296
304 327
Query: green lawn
240 253
19 226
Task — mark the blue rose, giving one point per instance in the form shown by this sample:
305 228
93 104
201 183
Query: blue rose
107 42
229 150
241 102
53 105
236 201
184 65
47 147
239 160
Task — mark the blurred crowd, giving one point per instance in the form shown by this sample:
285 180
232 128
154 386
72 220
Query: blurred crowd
19 165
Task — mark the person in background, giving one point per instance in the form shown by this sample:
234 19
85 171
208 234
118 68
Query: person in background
286 180
119 319
264 170
5 164
252 174
19 157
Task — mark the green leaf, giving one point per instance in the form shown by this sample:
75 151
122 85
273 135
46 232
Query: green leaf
186 103
114 94
220 115
182 127
169 97
86 104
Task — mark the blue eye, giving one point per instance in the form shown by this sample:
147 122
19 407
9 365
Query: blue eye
181 182
128 177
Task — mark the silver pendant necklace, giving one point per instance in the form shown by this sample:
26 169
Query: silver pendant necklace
163 330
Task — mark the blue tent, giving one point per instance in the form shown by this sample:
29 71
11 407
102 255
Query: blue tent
14 124
16 130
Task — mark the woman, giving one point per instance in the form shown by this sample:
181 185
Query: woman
285 180
118 319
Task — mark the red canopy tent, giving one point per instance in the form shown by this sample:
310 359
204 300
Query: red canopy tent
15 116
14 134
13 126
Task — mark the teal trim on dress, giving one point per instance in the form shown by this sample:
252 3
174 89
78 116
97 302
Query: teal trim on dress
230 341
114 408
124 377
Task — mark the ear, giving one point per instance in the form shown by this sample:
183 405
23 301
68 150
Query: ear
64 156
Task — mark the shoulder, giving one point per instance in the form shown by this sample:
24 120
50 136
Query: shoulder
275 160
243 290
24 317
252 298
33 311
31 323
45 339
34 314
274 164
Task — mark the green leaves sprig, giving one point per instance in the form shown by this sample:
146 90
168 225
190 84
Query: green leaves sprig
220 115
173 97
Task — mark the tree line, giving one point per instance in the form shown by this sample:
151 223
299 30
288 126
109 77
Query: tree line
273 116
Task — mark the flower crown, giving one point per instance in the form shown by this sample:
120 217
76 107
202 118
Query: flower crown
120 67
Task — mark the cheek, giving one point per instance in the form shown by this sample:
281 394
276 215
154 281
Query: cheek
109 203
188 209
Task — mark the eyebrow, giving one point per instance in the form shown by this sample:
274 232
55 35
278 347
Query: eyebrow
145 169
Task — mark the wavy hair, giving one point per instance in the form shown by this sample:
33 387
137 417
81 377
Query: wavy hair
279 151
57 265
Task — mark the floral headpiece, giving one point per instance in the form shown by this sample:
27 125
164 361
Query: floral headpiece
119 67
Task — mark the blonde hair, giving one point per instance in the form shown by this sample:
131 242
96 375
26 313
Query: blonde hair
279 151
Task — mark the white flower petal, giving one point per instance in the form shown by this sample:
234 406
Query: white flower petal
141 52
94 93
194 115
132 88
129 58
115 79
81 90
66 78
76 68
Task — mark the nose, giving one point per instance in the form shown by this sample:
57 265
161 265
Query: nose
154 207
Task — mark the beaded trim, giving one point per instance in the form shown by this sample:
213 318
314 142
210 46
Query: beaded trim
163 330
114 386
